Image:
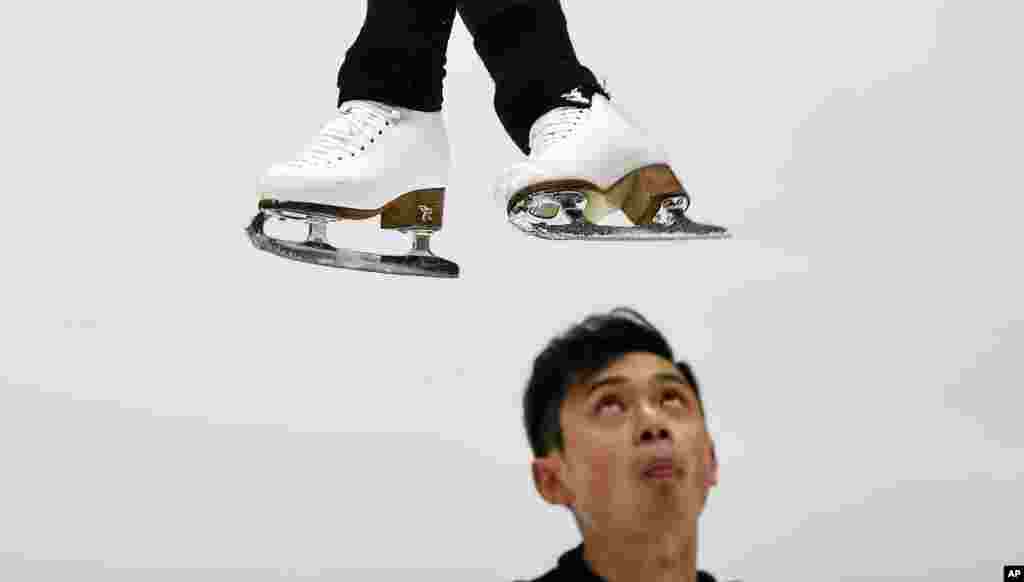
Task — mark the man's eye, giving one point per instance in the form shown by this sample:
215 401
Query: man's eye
601 405
673 394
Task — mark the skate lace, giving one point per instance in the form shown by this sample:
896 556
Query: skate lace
555 125
358 123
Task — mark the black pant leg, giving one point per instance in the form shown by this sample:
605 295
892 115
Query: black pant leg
526 48
399 56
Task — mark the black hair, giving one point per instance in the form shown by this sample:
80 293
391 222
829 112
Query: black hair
575 356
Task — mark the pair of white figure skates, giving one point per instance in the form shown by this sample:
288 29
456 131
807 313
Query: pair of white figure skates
378 160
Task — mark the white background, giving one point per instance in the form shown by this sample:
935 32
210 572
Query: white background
171 398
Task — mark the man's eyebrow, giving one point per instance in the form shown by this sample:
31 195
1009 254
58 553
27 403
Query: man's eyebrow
661 377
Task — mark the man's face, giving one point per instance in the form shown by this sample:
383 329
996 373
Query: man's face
634 412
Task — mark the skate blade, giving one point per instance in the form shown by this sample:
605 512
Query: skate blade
562 215
648 232
418 262
652 198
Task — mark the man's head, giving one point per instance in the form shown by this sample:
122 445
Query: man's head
605 400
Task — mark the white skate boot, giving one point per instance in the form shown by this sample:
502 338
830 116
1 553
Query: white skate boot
371 160
586 164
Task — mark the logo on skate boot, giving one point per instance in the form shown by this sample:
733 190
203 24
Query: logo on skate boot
426 213
575 96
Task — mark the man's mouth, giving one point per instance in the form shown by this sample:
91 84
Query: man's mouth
661 470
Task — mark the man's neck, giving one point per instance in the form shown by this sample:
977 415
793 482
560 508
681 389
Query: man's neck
668 557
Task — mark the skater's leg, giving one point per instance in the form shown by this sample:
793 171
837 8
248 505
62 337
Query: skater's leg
399 56
526 48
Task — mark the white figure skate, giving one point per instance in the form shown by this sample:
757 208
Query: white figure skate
586 164
371 160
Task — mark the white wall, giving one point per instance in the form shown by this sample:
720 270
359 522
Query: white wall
171 398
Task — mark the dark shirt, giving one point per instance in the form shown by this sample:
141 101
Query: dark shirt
572 567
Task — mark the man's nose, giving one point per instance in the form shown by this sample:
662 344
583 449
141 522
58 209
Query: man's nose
653 425
656 432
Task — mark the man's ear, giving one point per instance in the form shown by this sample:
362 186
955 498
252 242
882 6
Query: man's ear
547 479
712 463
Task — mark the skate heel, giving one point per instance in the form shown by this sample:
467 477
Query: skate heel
643 192
419 209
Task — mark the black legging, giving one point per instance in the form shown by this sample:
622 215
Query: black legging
400 53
